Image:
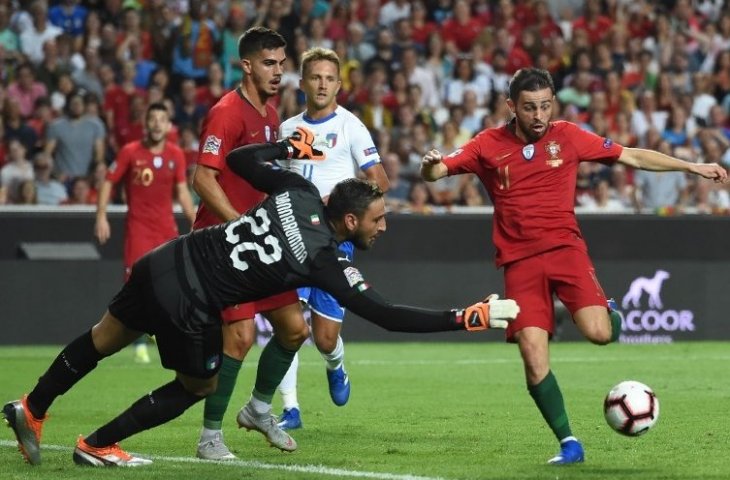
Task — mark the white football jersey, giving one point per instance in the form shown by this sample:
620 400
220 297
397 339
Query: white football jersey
345 141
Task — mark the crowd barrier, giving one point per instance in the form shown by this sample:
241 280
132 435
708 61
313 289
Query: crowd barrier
671 276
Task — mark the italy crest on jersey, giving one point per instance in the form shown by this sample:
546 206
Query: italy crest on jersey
331 140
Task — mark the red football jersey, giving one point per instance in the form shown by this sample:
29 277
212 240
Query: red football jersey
232 123
149 182
532 186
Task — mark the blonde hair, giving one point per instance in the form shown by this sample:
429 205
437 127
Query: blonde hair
317 54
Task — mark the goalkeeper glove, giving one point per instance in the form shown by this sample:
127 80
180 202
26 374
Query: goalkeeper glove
490 313
299 145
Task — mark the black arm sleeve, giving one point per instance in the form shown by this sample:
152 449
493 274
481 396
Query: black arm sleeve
254 164
344 282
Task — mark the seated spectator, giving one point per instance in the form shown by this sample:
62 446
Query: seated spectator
464 79
49 190
88 77
602 200
208 95
194 39
9 40
80 192
58 97
660 192
69 16
41 30
16 126
27 194
187 110
375 115
235 26
17 169
26 90
419 199
397 195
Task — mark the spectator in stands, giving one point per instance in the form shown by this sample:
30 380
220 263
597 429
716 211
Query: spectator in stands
646 117
70 17
208 95
418 75
195 42
25 89
27 194
16 126
236 25
660 192
461 30
602 201
187 110
75 141
679 128
464 79
375 115
80 192
131 36
397 195
88 77
133 128
394 10
32 39
49 190
16 170
9 40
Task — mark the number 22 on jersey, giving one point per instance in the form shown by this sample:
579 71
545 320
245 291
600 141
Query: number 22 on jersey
260 229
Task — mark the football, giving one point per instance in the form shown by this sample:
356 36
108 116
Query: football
631 408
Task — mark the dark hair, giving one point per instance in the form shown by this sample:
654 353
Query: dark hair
530 80
157 106
352 196
259 38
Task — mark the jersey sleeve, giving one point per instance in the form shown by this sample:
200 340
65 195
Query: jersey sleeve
466 158
255 163
336 275
362 146
120 166
217 139
592 147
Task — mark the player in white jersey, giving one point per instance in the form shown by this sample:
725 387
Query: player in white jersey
348 148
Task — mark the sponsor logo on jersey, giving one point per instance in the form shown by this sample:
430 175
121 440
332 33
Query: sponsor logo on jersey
315 219
370 151
528 151
331 141
212 145
171 165
607 143
157 161
353 276
553 149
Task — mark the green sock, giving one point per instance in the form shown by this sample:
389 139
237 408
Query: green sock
217 403
615 325
273 365
549 401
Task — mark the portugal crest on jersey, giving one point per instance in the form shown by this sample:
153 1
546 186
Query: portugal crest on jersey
553 149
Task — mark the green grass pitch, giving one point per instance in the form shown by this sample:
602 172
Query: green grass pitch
417 411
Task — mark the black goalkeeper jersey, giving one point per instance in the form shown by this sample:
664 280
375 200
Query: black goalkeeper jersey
283 243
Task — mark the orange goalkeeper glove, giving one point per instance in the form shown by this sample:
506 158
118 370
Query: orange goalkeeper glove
490 313
299 145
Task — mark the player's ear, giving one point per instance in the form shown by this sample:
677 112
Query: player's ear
351 222
511 105
246 66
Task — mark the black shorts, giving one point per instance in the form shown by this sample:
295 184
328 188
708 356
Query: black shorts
157 300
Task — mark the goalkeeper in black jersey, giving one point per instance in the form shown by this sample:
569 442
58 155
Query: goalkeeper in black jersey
177 291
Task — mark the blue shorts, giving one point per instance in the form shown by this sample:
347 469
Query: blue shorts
322 302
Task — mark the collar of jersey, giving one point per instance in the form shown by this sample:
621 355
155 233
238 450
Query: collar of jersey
311 120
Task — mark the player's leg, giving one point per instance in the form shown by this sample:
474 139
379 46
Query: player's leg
291 415
78 358
238 338
327 318
135 246
527 281
290 331
577 286
195 357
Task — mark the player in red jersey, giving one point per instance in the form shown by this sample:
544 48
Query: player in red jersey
241 117
529 168
153 171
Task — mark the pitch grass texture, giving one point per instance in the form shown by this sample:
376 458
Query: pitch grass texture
417 410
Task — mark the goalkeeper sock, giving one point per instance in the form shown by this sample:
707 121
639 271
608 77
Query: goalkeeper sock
71 365
288 386
549 401
616 319
157 407
217 403
335 358
273 365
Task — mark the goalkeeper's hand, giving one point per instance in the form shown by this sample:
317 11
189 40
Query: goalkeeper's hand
299 145
490 313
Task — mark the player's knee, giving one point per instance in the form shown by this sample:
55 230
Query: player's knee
600 334
293 337
238 338
200 387
326 342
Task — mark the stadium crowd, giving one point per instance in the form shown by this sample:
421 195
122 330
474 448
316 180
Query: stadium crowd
76 77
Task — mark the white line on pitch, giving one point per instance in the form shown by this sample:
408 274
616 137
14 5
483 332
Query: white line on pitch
313 469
